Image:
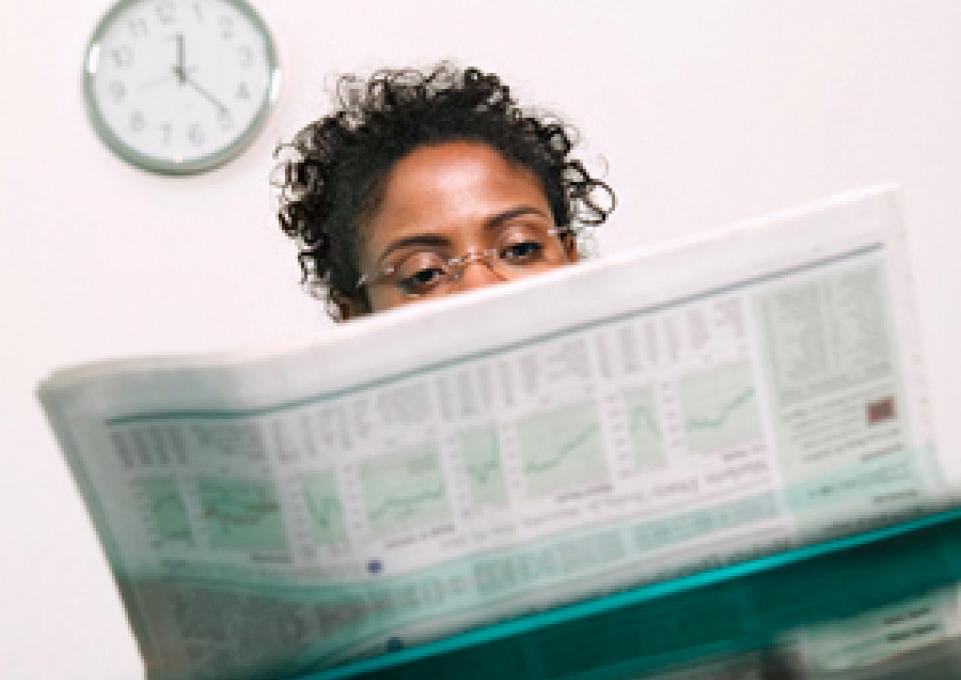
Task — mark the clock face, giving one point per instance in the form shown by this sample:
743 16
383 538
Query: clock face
180 86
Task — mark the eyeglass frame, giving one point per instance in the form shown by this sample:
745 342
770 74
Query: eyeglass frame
460 263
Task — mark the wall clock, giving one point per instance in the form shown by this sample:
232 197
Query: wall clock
180 86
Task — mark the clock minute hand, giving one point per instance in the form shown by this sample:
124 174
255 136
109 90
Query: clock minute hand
209 97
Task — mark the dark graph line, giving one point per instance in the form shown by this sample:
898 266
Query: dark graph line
405 504
229 509
726 409
563 452
178 535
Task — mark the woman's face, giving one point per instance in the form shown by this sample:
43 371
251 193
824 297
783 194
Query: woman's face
454 217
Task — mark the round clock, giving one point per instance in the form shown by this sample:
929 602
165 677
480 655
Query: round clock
180 86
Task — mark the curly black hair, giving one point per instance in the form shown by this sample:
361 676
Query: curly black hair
331 176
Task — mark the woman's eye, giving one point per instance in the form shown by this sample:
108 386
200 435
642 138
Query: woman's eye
422 280
525 251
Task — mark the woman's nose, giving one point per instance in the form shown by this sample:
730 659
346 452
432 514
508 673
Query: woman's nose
478 272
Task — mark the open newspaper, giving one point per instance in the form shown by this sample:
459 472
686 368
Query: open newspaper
451 464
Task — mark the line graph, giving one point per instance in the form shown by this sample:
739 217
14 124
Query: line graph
324 509
561 448
167 511
644 429
719 407
482 465
241 514
404 490
724 412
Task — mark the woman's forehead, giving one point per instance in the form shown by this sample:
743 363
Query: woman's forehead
450 186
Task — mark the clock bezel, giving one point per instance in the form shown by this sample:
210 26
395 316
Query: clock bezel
242 140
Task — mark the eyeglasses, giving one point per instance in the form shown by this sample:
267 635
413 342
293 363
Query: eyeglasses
516 251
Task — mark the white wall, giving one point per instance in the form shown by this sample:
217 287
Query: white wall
706 111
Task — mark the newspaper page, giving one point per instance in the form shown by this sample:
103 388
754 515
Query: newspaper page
423 471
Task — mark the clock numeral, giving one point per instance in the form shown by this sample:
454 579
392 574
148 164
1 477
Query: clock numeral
195 134
246 56
137 121
165 12
225 119
243 92
139 27
199 11
122 56
226 27
165 130
117 90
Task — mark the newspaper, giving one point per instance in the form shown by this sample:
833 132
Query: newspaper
447 465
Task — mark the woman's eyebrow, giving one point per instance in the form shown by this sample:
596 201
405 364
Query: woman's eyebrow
430 240
507 215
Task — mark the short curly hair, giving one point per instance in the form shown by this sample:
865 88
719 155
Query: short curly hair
331 176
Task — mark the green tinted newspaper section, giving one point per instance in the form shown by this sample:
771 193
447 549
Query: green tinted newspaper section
480 453
167 514
325 511
405 490
241 514
647 439
719 408
562 448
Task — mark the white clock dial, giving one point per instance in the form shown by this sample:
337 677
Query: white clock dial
180 86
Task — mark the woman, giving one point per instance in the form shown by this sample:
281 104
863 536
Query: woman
425 184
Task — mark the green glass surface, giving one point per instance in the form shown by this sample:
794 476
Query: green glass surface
726 610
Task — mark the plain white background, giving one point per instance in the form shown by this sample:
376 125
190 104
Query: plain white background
704 111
